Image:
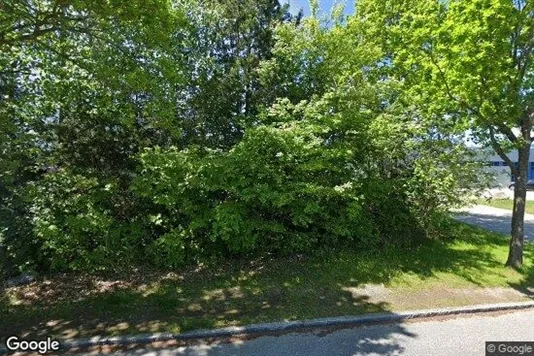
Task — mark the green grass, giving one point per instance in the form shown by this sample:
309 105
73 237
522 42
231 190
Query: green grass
507 204
240 292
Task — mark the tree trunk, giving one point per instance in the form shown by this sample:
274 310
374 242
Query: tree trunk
515 255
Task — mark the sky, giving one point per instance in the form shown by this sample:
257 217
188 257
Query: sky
325 6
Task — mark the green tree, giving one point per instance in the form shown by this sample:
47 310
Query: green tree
336 160
71 75
145 131
89 84
469 63
225 44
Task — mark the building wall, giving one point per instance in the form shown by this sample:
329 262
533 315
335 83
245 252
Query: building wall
500 169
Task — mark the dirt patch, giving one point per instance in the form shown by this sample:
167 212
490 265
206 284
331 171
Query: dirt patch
437 297
65 287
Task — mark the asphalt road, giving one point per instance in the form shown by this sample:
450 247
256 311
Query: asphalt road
494 219
456 336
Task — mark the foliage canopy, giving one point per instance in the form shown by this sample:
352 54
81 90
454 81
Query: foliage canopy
175 132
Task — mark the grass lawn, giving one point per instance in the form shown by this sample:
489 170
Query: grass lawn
507 204
447 272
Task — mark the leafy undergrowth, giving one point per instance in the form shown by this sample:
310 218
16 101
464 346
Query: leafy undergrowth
507 204
468 262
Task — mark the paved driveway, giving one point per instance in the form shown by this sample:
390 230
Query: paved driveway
494 219
505 193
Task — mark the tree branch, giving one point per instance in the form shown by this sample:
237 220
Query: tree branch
505 130
449 91
497 148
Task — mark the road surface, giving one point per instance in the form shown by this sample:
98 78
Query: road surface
494 219
464 335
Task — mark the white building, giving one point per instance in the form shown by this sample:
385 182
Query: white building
500 169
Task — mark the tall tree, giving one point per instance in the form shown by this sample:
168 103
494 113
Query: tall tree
471 63
71 77
226 44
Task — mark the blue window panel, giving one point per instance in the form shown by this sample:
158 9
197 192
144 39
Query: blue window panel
497 164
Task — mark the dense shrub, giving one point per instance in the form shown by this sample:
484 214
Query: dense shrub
278 189
73 219
289 186
212 140
306 178
19 250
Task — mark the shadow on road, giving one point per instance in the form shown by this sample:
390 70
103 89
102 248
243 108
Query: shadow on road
375 339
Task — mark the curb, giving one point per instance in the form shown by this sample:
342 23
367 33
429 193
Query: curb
289 326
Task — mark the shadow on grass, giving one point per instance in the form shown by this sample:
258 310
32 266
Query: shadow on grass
237 292
526 286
